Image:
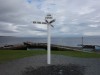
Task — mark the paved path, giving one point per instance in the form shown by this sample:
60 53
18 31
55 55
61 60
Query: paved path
15 67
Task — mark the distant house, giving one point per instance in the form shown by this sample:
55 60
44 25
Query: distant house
97 48
91 48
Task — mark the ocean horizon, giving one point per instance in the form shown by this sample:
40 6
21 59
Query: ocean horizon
65 41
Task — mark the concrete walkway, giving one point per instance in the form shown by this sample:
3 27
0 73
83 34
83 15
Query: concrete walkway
15 67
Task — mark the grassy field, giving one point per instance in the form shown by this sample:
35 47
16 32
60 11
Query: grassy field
6 55
77 54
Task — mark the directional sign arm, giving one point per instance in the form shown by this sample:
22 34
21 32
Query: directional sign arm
52 26
34 22
38 22
46 21
52 21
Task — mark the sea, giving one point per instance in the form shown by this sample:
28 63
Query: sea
64 41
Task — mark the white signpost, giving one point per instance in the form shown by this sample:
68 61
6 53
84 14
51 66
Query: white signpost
48 20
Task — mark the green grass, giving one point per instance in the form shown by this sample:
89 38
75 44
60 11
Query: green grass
77 54
6 55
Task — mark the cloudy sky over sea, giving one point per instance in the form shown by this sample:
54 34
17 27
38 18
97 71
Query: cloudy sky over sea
73 17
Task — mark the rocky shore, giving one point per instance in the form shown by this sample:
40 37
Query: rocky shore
30 45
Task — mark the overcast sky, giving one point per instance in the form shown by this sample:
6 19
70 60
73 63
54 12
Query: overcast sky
73 17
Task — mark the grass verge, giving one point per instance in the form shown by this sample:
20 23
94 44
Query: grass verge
77 54
6 55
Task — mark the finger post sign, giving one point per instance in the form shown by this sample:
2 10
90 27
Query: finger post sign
48 20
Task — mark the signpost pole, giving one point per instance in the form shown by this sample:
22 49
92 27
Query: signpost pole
48 45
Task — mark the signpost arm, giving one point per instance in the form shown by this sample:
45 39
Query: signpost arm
48 45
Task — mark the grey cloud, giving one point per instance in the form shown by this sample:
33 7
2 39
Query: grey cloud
6 31
20 15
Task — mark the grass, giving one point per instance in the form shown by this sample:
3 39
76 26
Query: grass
77 54
6 55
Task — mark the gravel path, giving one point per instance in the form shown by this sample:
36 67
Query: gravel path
15 67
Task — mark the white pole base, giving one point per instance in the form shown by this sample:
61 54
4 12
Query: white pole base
48 46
